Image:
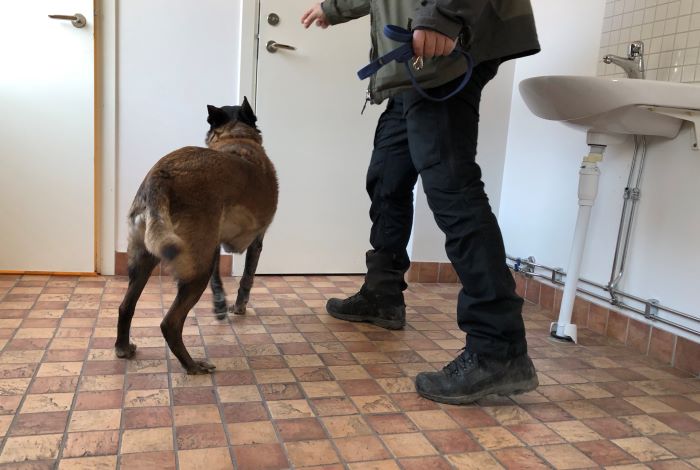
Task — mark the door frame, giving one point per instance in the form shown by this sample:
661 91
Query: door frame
248 75
106 74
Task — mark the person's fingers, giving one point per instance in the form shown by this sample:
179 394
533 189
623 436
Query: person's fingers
430 42
440 46
305 19
418 42
450 45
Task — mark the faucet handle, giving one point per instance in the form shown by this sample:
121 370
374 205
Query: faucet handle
636 49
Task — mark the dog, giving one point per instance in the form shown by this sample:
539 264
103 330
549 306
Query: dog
191 203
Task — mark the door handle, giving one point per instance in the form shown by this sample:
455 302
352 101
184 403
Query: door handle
272 47
77 20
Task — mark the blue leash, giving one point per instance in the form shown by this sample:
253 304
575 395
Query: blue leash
404 54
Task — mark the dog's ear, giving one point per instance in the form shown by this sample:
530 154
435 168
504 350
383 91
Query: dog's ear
217 117
247 115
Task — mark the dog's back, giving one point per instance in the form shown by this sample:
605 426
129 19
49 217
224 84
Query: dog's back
195 199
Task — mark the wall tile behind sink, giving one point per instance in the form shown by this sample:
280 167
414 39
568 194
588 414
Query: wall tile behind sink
670 30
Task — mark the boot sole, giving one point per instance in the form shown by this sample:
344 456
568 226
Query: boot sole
387 324
502 390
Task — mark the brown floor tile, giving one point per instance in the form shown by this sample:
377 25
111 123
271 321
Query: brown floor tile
679 421
164 460
536 434
519 458
135 418
90 444
255 432
94 420
362 448
200 436
605 453
99 400
193 396
643 449
20 449
40 423
474 417
205 459
564 456
300 429
408 445
146 440
452 442
474 461
281 391
680 445
307 453
346 426
260 457
54 385
89 463
244 412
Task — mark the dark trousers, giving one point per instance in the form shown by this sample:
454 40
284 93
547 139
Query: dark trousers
437 141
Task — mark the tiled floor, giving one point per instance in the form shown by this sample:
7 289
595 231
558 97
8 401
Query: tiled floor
296 388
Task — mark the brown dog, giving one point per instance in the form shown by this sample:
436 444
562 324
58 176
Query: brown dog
193 201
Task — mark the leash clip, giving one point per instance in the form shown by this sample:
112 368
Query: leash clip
418 63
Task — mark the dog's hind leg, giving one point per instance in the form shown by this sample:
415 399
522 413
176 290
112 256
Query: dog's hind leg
251 264
188 293
217 288
141 264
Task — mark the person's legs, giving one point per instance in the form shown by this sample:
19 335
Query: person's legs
442 141
391 178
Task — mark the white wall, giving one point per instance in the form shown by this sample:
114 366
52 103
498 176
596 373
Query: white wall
428 240
539 197
174 57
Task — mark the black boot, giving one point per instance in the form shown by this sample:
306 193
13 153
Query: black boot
387 311
469 378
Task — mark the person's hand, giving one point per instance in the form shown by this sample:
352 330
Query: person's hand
428 44
315 14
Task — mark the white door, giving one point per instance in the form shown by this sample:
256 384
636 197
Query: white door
47 138
308 103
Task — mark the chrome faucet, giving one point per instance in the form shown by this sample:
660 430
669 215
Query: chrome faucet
633 64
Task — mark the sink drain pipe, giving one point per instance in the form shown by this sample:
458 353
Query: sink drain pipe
589 174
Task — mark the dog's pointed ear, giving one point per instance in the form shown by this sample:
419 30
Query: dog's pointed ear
217 117
247 114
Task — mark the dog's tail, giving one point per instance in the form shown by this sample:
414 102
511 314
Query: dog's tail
160 237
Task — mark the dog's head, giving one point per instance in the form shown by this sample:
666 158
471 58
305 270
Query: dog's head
231 115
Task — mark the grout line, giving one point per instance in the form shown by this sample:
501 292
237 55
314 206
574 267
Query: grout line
218 402
169 371
80 375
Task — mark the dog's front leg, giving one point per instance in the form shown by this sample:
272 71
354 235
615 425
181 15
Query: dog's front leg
217 288
251 264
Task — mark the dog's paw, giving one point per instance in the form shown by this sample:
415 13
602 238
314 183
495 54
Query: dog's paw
221 310
125 352
239 309
201 367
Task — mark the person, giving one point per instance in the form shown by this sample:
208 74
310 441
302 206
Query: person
438 140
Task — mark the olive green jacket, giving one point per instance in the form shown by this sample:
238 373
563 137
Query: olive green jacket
488 29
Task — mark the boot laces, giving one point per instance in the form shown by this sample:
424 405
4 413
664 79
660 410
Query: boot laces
465 360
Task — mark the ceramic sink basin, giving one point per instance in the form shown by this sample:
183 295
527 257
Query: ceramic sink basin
613 105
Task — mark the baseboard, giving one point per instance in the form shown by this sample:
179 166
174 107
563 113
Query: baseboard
430 273
121 269
646 339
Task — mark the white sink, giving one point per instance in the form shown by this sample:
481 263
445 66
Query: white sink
613 105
